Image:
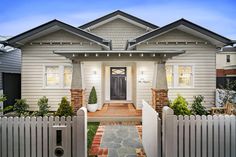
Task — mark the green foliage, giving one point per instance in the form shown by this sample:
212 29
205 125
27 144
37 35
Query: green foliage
93 96
180 106
65 109
92 129
43 106
20 107
2 98
197 108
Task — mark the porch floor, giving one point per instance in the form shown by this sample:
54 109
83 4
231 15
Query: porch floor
116 112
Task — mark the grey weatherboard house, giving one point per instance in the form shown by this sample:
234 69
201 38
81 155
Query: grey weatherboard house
124 57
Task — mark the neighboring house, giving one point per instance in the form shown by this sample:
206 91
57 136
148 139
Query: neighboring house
122 56
10 69
225 66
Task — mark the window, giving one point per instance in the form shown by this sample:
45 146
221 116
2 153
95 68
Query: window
57 76
228 58
184 76
179 76
169 75
52 76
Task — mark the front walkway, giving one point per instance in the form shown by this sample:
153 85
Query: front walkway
117 141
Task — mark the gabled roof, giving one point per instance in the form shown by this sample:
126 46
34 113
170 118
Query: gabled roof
52 26
121 13
178 23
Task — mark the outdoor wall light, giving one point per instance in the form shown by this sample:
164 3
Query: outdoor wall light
119 54
130 54
85 55
96 55
153 55
141 54
108 54
73 55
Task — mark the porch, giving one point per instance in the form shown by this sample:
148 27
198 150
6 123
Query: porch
116 112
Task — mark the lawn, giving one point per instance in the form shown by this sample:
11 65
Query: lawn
92 128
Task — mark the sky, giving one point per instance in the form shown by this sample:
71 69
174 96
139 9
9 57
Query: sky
17 16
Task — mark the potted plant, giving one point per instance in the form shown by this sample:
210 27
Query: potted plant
92 105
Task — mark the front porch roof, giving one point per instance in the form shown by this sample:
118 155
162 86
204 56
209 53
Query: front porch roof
123 55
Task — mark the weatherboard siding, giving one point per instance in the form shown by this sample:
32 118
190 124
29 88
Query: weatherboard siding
201 56
119 31
36 56
10 62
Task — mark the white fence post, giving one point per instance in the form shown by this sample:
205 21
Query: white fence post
82 132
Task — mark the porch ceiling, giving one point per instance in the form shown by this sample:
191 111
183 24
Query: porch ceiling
120 55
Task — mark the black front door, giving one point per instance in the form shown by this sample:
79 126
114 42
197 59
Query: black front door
118 83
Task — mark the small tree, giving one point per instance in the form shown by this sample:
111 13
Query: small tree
43 106
180 106
20 107
93 96
197 108
65 109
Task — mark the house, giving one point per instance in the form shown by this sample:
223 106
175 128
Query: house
10 68
226 66
126 58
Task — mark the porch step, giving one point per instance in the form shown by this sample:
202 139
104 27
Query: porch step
114 119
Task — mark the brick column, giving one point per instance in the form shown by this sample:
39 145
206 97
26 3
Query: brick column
159 99
160 90
77 98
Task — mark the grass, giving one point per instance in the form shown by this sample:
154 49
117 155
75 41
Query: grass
92 129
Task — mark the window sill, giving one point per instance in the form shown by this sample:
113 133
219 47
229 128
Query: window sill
180 87
56 88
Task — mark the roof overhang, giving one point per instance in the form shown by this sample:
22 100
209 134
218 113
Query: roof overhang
53 26
119 55
185 26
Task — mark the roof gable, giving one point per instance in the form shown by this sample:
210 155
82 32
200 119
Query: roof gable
185 26
53 26
115 15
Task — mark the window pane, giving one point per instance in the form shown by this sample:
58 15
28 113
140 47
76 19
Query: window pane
52 76
67 76
185 76
169 75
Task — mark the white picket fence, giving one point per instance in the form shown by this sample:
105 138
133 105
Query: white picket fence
198 136
36 136
151 131
188 136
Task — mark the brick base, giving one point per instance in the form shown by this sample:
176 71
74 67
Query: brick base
76 99
159 99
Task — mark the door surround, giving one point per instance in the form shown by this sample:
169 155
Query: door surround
131 81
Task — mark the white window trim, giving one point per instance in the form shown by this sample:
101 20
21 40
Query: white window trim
176 75
61 76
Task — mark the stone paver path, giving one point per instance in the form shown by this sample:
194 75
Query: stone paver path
121 141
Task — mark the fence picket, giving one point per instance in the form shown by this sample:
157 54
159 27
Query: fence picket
181 138
1 136
39 137
192 136
68 124
221 135
9 138
227 136
33 136
27 137
186 136
233 135
15 136
204 136
22 136
4 136
198 136
51 123
74 130
45 136
209 136
215 136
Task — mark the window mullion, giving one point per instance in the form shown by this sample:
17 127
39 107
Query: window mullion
175 70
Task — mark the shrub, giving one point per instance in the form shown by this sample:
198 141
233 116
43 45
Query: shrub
93 96
43 106
65 109
180 106
2 98
197 108
20 107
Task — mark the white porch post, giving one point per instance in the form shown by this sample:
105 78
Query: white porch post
77 93
160 89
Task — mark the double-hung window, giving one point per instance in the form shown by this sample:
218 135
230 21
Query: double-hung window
57 76
179 76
